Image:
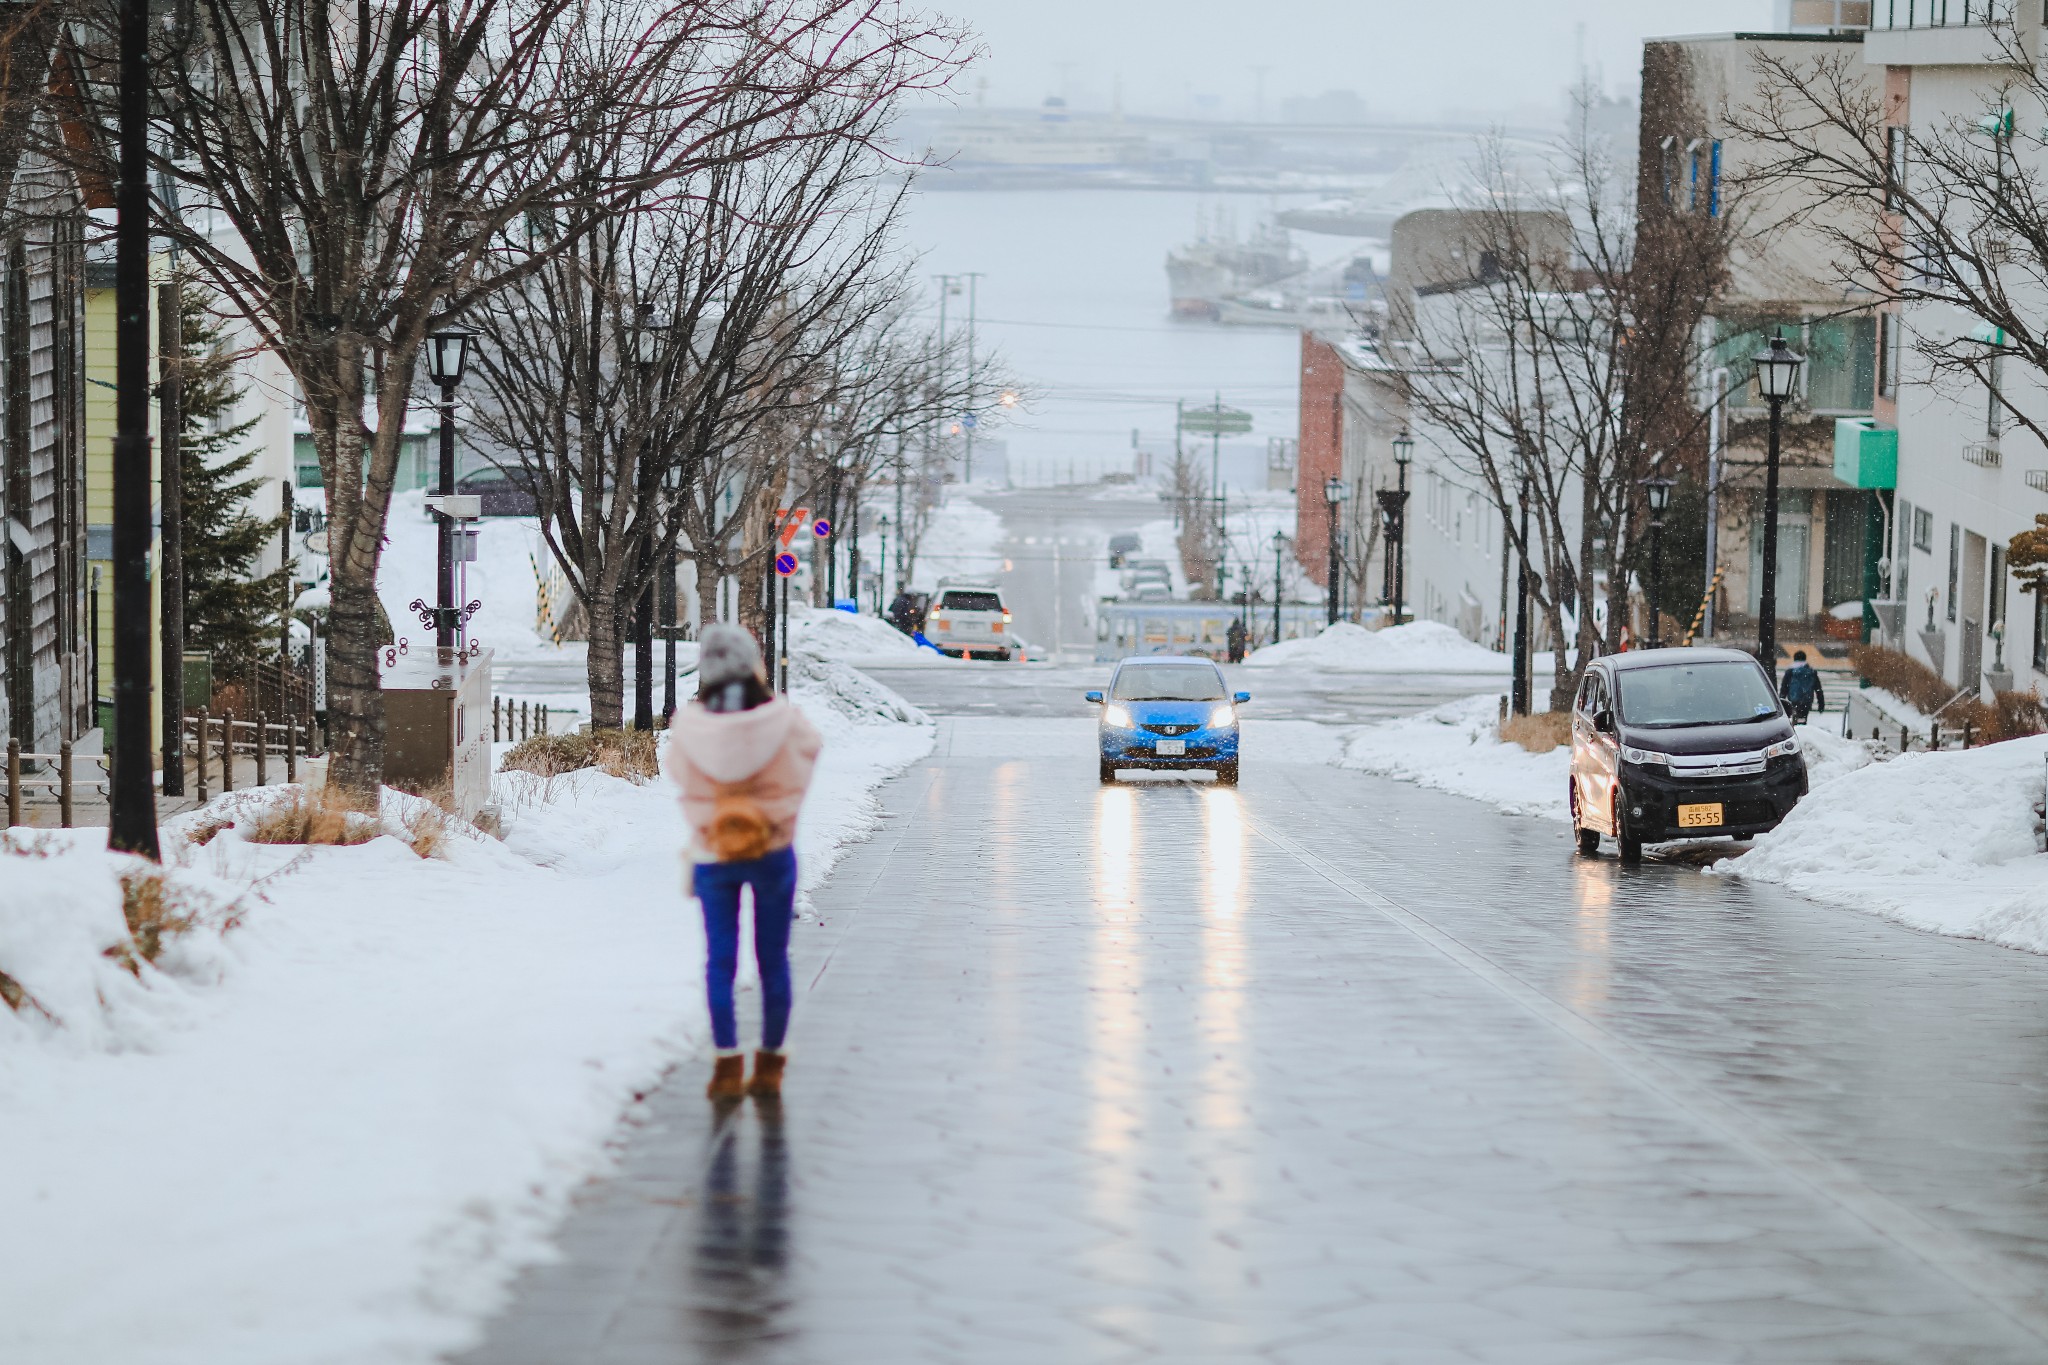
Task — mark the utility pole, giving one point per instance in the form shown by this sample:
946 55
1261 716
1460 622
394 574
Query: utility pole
131 792
1522 686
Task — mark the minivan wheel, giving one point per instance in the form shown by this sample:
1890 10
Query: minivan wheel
1589 842
1631 849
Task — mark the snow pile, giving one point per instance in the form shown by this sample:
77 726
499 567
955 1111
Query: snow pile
851 639
346 1143
1944 841
1828 755
1453 748
75 977
1418 647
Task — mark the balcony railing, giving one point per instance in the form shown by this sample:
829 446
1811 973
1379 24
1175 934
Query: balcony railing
1938 13
1833 14
2037 479
1982 455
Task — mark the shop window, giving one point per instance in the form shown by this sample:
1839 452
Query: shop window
1955 565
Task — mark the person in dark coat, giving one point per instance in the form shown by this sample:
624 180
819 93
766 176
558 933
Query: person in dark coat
1800 687
1233 638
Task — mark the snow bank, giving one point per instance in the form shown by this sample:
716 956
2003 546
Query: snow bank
1418 647
1944 841
1452 748
858 640
344 1140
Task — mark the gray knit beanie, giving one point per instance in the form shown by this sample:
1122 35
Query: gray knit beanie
727 654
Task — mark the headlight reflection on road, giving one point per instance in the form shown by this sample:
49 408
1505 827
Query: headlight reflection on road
1116 980
1593 904
1223 1107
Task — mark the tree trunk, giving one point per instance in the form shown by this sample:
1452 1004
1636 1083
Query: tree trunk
355 702
709 572
605 666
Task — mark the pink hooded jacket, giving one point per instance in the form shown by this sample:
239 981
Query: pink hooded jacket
766 753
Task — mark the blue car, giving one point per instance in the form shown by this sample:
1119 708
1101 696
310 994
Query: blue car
1166 711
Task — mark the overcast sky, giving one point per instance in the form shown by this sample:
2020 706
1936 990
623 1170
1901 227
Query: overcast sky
1406 58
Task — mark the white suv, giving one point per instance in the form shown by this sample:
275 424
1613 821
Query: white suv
969 620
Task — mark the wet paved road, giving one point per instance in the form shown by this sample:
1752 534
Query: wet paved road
1326 1069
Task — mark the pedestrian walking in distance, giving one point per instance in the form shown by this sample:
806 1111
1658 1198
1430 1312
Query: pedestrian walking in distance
743 758
1800 687
1233 639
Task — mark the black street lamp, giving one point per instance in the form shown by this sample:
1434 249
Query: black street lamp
1777 374
1658 491
647 335
1524 685
1335 491
447 357
1279 547
1394 516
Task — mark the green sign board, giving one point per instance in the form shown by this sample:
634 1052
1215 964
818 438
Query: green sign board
1215 420
1866 456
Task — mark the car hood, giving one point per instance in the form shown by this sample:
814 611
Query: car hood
1747 737
1171 712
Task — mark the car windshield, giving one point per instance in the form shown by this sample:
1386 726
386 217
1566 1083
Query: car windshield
971 601
1695 694
1169 682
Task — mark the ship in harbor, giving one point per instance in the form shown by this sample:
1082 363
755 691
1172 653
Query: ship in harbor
1218 265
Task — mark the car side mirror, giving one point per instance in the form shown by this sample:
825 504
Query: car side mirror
1603 721
1244 696
1095 697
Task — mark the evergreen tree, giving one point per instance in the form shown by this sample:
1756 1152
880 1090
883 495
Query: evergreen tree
228 614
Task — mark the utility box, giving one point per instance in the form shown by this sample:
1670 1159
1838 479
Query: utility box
198 675
437 724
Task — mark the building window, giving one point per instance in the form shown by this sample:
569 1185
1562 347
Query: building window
1895 168
1994 408
1714 180
1903 562
1841 360
1668 164
2041 631
1692 176
1923 530
1955 565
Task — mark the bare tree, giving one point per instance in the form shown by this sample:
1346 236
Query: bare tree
1563 368
1952 210
353 177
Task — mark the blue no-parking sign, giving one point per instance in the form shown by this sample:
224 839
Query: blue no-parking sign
785 564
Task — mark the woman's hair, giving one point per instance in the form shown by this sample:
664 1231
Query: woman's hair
741 694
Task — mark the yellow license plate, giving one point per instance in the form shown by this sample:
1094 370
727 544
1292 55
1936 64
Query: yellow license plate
1699 817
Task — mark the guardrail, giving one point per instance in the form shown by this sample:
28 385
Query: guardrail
19 782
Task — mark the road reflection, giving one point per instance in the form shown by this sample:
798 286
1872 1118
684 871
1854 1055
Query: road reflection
742 1251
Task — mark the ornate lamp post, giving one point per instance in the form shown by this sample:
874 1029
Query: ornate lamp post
1777 375
647 337
447 357
1524 686
1658 491
1394 514
1335 491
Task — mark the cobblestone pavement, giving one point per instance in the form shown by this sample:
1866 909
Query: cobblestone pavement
1326 1069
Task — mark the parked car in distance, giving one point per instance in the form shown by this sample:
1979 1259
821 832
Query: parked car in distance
1168 711
1679 744
505 493
1122 546
969 621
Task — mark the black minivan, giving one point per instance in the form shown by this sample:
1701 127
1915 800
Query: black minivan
1680 744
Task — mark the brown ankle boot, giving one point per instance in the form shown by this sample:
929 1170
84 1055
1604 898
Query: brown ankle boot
767 1082
728 1077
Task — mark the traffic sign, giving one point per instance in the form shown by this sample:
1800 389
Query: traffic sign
1216 420
790 520
970 421
785 564
821 528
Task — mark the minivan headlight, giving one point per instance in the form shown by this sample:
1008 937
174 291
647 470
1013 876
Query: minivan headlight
1782 748
1116 716
1225 714
1644 757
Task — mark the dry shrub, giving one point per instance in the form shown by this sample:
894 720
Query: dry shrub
316 817
621 753
1902 676
1539 732
490 822
430 824
206 831
2009 715
154 914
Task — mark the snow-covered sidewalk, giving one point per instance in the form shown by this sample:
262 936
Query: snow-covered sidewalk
331 1132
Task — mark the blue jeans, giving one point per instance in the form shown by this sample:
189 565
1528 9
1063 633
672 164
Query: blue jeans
773 878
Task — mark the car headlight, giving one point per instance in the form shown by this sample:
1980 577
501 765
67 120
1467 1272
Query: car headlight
1644 757
1782 748
1225 714
1116 716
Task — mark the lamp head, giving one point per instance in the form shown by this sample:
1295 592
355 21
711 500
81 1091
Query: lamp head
1404 448
647 336
1777 368
1279 540
1335 490
448 355
1659 493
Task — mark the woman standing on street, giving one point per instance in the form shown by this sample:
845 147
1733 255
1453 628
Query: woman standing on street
742 757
